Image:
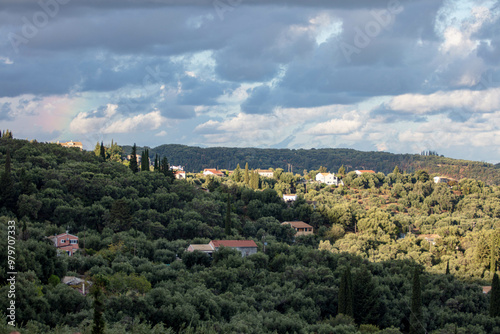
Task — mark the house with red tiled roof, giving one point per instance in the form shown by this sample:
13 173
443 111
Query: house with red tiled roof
65 242
71 143
180 174
245 247
300 227
328 178
359 172
211 171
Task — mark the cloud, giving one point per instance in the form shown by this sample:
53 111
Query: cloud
335 127
5 111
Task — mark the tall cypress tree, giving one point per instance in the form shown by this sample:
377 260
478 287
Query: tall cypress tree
341 170
495 297
98 326
145 160
246 175
228 216
237 173
346 300
493 254
416 325
133 160
102 151
156 163
8 193
447 268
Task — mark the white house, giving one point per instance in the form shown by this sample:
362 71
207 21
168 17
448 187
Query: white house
211 171
328 178
265 172
180 174
289 197
441 179
359 172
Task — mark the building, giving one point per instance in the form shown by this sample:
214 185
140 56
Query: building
65 242
328 178
82 285
71 143
138 157
441 179
289 197
176 168
359 172
245 247
211 171
265 172
431 238
180 174
300 227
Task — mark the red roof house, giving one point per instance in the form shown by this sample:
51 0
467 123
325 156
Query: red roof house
66 242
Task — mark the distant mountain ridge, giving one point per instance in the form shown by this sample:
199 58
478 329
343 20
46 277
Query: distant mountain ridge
195 159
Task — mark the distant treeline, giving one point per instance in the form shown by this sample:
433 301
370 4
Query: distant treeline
195 159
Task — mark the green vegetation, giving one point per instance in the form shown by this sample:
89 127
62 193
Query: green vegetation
196 159
356 274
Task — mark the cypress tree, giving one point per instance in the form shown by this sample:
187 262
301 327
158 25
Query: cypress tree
495 297
133 160
346 300
145 160
493 254
228 216
341 170
246 175
98 326
8 193
237 173
156 163
102 151
416 325
447 268
396 170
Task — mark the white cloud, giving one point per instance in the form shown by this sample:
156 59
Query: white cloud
335 127
141 122
6 61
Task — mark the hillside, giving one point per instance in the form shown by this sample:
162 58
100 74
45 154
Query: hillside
196 158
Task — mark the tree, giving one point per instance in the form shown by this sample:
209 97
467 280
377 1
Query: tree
341 170
396 170
416 325
246 175
8 193
156 166
133 160
447 268
102 151
237 173
165 169
228 216
98 326
145 160
495 297
346 300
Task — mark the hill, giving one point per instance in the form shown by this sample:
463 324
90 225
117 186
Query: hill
196 158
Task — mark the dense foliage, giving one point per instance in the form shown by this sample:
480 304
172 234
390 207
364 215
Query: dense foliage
196 159
134 228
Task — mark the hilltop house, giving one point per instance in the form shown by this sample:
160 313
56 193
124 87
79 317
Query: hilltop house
441 179
71 143
65 242
245 247
300 227
328 178
211 171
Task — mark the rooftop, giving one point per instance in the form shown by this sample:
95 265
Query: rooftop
234 243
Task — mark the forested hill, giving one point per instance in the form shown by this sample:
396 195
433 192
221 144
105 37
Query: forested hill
196 159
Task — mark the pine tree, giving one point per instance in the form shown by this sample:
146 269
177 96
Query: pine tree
346 300
102 151
246 175
133 160
98 326
495 297
228 216
416 325
396 170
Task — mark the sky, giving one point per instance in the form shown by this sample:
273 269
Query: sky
400 76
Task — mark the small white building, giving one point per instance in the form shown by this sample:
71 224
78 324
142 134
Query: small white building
265 172
359 172
328 178
289 197
212 171
176 167
441 179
